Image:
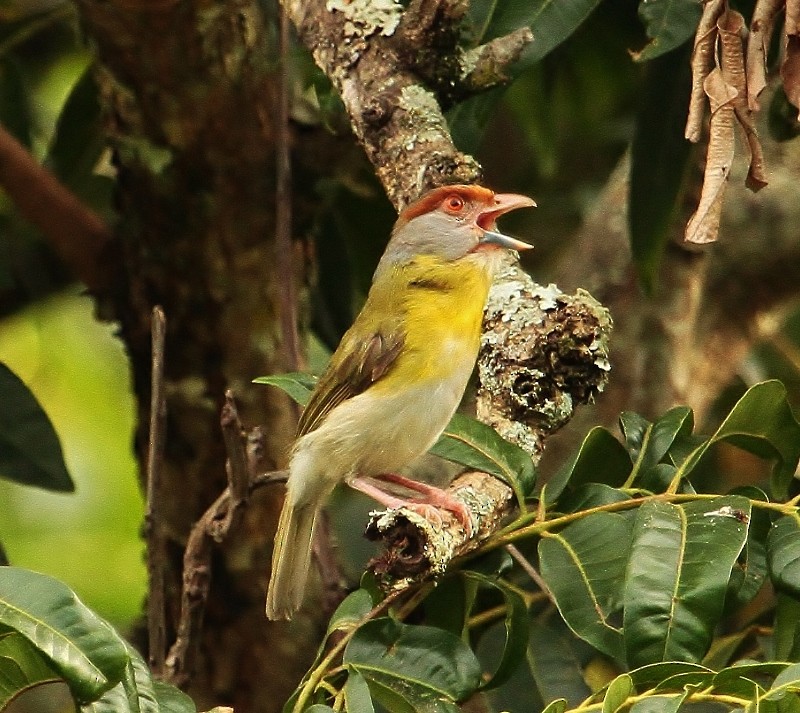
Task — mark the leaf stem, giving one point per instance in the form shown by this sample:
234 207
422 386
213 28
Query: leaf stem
518 529
320 671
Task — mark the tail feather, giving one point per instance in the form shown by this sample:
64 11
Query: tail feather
291 559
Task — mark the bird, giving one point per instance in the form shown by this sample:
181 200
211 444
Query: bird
398 374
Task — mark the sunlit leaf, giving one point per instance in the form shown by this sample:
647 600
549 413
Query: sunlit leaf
680 564
30 452
356 694
84 649
476 445
351 611
617 693
584 566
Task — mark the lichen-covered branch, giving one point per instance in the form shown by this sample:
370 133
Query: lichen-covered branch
394 70
375 55
543 353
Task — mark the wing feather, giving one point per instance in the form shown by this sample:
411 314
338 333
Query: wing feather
355 366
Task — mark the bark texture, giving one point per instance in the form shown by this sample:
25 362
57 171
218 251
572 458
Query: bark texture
188 91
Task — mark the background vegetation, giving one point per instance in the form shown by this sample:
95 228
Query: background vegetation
164 119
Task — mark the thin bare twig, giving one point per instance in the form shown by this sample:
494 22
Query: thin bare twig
238 467
529 569
207 531
156 550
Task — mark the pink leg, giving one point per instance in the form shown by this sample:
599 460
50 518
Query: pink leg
433 498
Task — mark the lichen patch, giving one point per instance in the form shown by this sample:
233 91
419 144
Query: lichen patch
365 18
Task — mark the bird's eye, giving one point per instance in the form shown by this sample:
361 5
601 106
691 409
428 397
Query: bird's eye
454 204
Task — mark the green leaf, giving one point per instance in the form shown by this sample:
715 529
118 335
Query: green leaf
680 681
680 563
84 649
584 566
476 445
617 693
763 424
589 496
659 161
468 119
114 700
551 23
668 23
659 437
448 605
296 385
659 704
557 706
634 428
424 665
139 693
600 459
554 664
651 675
788 681
751 570
786 631
173 700
139 686
22 667
356 694
30 452
741 679
354 607
783 554
516 628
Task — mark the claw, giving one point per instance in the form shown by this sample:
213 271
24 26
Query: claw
433 498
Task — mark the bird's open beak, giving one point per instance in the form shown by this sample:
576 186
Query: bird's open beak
487 220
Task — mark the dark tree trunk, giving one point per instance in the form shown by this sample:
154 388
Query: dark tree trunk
189 96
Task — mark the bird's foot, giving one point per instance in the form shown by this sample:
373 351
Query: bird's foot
432 499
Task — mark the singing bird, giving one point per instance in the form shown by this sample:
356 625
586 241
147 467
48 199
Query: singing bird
398 374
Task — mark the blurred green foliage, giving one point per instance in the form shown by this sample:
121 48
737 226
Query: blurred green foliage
88 539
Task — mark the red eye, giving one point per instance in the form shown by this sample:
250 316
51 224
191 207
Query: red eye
454 204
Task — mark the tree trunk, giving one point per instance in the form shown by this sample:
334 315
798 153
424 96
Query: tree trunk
189 99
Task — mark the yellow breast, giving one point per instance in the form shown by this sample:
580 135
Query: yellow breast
443 306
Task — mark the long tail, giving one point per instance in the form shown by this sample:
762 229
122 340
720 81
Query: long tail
291 559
